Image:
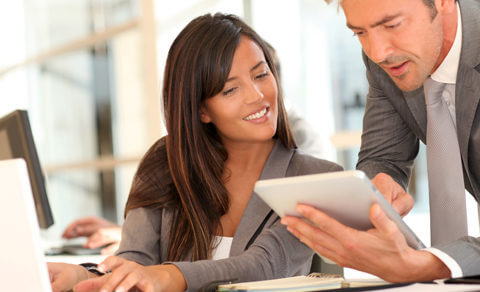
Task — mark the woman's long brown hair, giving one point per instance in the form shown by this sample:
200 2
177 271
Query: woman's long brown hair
197 68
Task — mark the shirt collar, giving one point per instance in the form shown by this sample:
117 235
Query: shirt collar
447 71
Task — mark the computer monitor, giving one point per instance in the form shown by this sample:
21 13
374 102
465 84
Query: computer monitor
16 141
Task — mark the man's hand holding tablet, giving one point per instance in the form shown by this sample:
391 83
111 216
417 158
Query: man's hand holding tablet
381 250
346 196
394 193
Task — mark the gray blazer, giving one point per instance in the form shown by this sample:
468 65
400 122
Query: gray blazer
395 121
262 248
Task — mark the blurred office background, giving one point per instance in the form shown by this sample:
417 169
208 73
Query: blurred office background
90 72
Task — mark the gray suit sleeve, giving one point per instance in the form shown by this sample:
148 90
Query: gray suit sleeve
466 252
141 237
388 145
275 254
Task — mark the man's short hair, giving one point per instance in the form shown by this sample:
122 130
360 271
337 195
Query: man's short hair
429 3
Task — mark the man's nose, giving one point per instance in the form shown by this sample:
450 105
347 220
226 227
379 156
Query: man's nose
378 47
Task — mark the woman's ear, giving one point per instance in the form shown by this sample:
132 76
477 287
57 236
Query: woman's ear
204 117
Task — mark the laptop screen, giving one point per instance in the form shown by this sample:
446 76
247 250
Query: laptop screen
16 141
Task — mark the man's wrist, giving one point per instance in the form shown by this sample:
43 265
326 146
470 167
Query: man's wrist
429 267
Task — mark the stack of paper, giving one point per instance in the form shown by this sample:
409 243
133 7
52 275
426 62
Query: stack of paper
299 283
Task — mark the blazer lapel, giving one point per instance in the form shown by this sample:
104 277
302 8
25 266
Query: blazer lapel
257 210
467 95
467 90
416 103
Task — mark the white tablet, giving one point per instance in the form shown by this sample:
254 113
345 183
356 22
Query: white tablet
344 195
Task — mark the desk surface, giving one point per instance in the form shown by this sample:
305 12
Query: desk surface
349 274
76 259
423 287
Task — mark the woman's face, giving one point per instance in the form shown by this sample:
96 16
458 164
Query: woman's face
246 109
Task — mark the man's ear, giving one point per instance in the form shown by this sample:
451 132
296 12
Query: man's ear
204 117
447 6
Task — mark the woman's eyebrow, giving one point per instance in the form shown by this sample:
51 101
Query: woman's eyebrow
258 65
253 68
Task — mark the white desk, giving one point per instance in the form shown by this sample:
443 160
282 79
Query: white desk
76 259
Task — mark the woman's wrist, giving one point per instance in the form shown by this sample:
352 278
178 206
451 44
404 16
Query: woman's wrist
178 277
82 274
170 275
90 268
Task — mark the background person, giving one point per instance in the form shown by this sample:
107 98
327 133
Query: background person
99 232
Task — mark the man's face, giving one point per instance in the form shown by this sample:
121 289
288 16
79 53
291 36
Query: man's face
399 35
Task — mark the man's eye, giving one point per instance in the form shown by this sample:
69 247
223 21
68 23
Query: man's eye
393 25
357 33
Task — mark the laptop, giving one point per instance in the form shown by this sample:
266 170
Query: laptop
16 141
24 266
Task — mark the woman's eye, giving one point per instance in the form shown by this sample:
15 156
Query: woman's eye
262 75
229 91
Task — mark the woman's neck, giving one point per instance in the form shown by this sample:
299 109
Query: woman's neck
242 169
247 157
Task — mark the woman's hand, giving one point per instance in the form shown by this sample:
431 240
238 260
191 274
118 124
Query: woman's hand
64 276
128 274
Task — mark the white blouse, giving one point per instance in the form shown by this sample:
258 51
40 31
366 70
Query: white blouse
222 251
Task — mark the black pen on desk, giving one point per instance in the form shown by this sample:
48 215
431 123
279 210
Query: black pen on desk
474 279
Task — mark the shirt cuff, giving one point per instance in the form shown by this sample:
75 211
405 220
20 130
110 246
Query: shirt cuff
448 261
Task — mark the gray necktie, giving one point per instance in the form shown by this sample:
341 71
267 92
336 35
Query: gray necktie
448 216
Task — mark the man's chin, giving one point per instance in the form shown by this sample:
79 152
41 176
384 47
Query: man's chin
406 84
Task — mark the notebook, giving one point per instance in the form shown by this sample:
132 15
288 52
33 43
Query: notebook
311 282
23 263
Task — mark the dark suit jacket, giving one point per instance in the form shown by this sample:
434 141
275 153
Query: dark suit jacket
395 121
261 249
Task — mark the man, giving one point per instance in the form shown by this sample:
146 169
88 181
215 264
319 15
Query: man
406 44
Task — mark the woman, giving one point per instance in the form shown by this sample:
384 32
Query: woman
191 216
